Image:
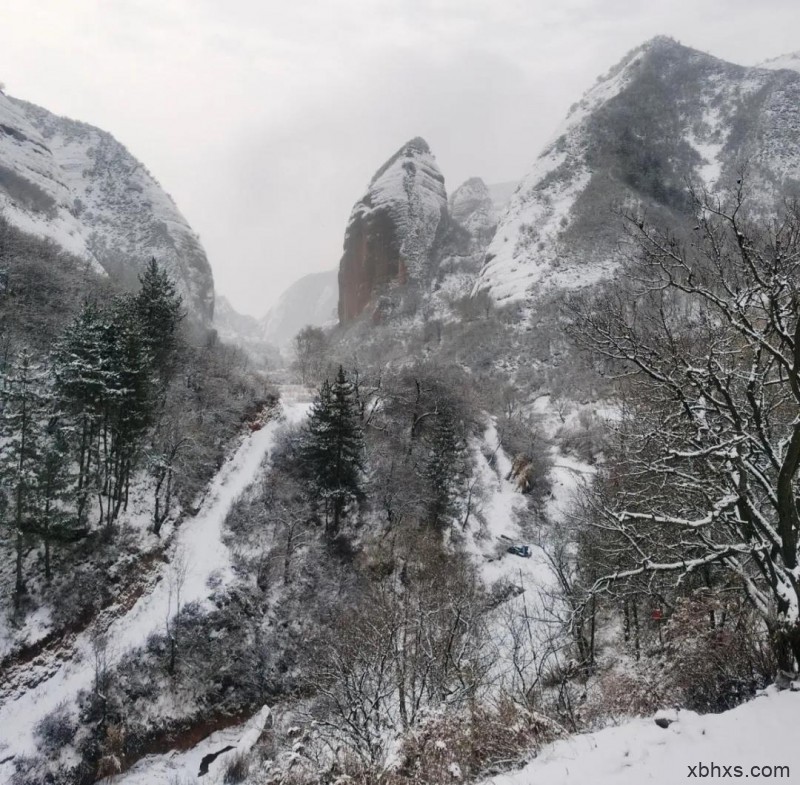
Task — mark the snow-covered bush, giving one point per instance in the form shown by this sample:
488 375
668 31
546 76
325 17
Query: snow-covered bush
585 437
463 745
55 730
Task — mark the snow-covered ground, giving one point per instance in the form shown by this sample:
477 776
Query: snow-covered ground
197 545
760 733
501 509
185 766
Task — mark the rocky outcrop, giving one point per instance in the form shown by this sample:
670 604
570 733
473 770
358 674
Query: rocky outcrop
394 231
471 204
78 186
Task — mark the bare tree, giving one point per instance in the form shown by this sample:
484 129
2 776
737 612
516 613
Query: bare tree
176 578
706 337
415 641
310 352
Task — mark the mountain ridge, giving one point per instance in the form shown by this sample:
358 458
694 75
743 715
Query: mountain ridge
78 186
665 114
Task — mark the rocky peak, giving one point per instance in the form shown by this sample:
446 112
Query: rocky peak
394 230
471 204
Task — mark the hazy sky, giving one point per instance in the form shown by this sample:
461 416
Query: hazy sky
265 120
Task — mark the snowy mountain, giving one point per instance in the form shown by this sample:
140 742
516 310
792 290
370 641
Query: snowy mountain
394 229
310 300
78 186
664 115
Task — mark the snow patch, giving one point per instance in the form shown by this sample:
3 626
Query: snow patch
759 733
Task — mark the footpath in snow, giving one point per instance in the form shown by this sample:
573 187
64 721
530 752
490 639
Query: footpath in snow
761 733
199 547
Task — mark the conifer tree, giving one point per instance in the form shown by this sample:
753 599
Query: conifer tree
81 370
128 405
443 470
23 402
333 449
55 484
160 309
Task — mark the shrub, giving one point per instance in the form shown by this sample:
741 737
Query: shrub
718 653
586 439
237 769
467 744
55 730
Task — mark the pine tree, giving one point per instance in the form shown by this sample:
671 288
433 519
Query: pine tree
159 308
105 374
333 449
55 483
82 373
129 402
23 403
443 471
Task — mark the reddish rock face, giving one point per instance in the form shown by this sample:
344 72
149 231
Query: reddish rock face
371 261
393 230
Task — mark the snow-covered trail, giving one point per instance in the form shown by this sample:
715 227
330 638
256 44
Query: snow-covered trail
197 544
501 509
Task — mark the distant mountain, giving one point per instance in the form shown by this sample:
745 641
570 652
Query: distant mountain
310 300
478 207
472 206
665 115
234 327
78 186
501 194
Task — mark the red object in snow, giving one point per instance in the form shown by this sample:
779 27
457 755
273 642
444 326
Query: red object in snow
656 614
255 426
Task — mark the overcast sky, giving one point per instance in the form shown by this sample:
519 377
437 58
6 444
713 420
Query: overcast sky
265 120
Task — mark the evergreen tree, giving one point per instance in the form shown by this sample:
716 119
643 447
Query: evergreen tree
23 402
129 403
82 373
55 484
333 449
443 470
105 373
159 309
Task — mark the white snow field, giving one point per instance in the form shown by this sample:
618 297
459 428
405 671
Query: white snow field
761 733
198 542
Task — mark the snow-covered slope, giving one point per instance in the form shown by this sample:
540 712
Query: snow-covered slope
77 185
664 114
761 733
310 300
197 548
